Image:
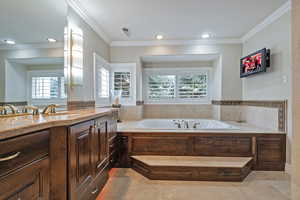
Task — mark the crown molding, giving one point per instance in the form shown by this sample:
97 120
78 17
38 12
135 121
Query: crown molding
32 46
175 42
269 20
78 8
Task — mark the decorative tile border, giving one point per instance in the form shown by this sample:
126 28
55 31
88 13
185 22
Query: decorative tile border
281 105
74 105
20 103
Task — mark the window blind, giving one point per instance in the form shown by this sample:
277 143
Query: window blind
192 86
104 82
122 82
45 87
161 87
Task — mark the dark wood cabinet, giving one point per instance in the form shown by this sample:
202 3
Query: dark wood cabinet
90 151
271 153
24 167
28 183
100 145
80 159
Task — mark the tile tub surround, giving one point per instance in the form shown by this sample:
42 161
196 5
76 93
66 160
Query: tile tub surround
170 111
131 113
126 184
16 126
268 114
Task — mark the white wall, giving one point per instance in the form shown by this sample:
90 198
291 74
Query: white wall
92 43
276 84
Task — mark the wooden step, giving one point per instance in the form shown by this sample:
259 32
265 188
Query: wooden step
192 168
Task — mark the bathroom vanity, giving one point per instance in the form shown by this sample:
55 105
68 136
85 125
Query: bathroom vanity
57 157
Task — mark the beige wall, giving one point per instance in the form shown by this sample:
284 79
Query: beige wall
21 54
296 100
230 55
276 83
92 43
271 85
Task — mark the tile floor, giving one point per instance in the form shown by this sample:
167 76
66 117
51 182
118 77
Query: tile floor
126 184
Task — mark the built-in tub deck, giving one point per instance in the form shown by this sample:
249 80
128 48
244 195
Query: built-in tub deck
266 148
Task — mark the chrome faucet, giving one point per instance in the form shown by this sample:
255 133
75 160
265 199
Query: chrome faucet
177 123
196 124
186 123
50 109
3 110
35 110
13 109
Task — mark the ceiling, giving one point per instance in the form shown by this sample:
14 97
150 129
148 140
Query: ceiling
178 19
32 21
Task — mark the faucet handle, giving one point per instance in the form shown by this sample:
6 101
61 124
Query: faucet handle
35 110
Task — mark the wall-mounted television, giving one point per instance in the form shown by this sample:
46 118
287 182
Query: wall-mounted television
255 63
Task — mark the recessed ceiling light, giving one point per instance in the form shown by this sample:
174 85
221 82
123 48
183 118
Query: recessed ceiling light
9 41
205 36
159 37
51 40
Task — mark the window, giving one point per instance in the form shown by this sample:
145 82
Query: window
176 85
48 87
161 87
104 82
122 82
192 86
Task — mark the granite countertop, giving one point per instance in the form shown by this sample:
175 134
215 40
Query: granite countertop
130 127
16 126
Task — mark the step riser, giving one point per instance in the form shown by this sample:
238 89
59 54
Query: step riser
192 173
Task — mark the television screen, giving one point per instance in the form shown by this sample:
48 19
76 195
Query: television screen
254 63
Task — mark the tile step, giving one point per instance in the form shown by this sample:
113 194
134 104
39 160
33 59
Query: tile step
193 168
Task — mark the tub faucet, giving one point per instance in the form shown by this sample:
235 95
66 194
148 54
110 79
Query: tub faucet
177 123
186 124
196 124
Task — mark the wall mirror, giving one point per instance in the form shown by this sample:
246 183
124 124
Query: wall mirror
32 53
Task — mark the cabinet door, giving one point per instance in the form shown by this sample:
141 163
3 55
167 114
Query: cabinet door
270 153
28 183
100 145
80 159
112 128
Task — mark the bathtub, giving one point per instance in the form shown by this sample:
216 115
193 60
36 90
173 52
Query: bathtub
169 124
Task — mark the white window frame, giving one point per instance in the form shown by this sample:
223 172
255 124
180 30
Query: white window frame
99 63
44 73
177 72
125 67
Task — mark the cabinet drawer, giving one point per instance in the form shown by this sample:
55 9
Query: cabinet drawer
28 183
17 152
